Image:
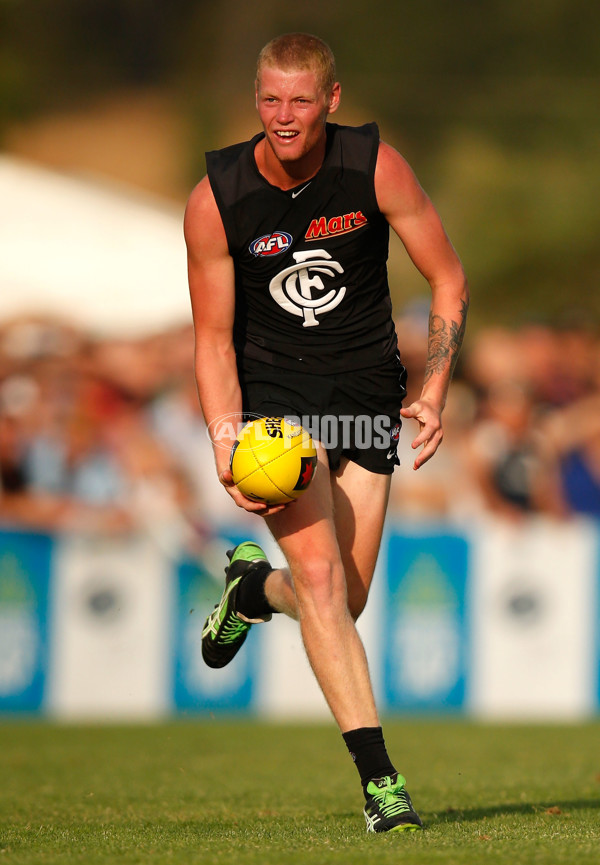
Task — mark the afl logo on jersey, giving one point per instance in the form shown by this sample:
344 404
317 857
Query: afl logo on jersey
271 244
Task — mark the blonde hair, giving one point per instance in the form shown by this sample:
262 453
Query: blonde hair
300 51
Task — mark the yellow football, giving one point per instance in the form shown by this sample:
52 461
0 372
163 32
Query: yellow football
273 460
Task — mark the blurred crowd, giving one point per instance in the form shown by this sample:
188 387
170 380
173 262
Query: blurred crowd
103 435
521 425
106 435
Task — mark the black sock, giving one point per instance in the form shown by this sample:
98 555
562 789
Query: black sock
251 600
367 749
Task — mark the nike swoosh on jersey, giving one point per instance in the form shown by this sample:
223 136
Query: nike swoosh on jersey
296 194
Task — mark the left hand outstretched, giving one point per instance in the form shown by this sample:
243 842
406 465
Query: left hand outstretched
431 434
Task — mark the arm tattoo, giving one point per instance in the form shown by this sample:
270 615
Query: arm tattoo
445 340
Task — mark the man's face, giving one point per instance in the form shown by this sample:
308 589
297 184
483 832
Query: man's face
293 109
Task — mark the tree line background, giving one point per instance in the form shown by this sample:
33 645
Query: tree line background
495 103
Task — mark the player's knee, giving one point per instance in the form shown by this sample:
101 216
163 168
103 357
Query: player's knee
321 582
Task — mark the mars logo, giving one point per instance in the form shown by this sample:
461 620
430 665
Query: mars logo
324 227
271 244
300 290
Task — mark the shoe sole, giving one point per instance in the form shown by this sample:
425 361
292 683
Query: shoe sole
406 827
233 556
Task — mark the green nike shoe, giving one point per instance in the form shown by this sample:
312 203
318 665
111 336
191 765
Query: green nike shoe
226 629
388 807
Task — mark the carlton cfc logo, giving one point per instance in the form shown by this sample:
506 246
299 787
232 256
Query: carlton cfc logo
271 244
300 289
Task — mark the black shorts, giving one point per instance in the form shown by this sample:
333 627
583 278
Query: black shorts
354 415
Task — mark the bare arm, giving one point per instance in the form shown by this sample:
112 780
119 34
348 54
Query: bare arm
416 222
212 290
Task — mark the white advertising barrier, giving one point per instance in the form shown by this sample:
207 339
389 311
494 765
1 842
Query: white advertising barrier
110 619
500 623
533 620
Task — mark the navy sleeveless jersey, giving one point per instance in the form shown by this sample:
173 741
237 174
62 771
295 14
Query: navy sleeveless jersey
311 262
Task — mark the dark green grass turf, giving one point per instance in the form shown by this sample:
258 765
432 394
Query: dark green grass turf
244 792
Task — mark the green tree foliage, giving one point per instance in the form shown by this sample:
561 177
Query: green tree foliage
494 103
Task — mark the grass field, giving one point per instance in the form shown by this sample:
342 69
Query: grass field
246 792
